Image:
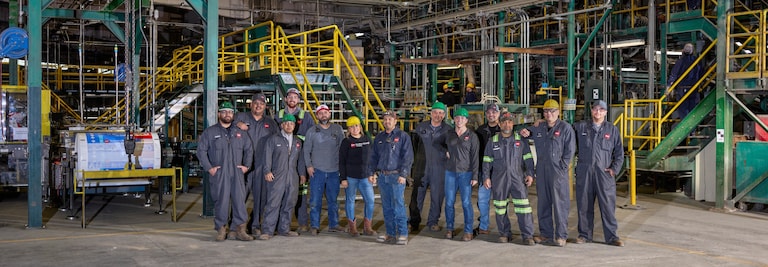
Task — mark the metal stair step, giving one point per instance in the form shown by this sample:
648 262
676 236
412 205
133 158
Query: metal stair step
687 147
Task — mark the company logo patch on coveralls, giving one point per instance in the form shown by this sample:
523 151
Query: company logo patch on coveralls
266 125
237 135
517 143
298 145
557 133
216 136
397 139
607 136
466 138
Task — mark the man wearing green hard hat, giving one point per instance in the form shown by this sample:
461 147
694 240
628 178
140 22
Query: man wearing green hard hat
226 153
461 172
432 137
283 168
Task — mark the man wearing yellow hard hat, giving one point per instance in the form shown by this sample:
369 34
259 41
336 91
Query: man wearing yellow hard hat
470 96
555 146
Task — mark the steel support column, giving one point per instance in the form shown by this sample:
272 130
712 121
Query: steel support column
34 140
210 78
724 115
500 58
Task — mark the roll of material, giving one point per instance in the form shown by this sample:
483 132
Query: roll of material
105 151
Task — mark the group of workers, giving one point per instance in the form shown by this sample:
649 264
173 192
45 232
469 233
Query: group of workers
274 159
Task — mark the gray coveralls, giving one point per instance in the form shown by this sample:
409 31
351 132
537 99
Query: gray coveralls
433 140
507 161
598 150
304 122
283 162
258 131
554 150
219 146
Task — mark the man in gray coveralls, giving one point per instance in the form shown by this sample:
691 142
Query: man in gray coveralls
226 153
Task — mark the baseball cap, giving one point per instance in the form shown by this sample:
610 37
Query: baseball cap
600 103
492 107
321 107
505 116
293 90
260 97
389 113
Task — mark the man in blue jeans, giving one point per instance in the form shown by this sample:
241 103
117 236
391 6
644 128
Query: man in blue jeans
321 154
485 132
391 158
461 172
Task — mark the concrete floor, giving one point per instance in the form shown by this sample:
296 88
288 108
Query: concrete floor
670 230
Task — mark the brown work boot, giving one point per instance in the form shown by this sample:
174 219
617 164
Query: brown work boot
368 227
221 234
352 228
467 237
241 234
449 234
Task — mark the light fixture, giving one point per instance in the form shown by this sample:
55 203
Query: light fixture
629 69
625 43
671 53
604 68
738 43
505 61
747 51
449 67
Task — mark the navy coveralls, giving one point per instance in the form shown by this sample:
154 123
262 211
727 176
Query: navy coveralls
258 131
433 140
283 161
227 148
304 122
554 150
507 161
598 150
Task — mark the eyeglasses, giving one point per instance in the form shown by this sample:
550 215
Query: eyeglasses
550 110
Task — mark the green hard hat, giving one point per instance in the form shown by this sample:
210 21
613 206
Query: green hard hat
226 106
461 112
438 105
450 84
288 117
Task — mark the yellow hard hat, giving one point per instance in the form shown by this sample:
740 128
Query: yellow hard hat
471 85
445 86
551 103
352 121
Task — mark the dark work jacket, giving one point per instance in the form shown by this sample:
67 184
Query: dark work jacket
391 152
354 155
463 151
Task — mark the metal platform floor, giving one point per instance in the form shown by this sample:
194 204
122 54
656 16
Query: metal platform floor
671 230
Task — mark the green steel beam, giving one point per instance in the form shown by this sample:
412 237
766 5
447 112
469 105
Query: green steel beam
34 119
500 58
663 65
83 14
210 73
432 82
138 35
585 46
693 25
45 3
515 80
201 7
682 130
747 190
724 117
117 30
745 109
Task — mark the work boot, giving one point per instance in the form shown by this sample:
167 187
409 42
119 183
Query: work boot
352 228
221 234
303 228
558 242
449 234
313 231
617 242
241 234
435 228
386 239
467 237
336 228
539 239
368 228
503 239
529 242
581 240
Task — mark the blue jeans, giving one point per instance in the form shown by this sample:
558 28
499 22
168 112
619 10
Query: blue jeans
366 189
328 183
458 181
483 204
393 205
